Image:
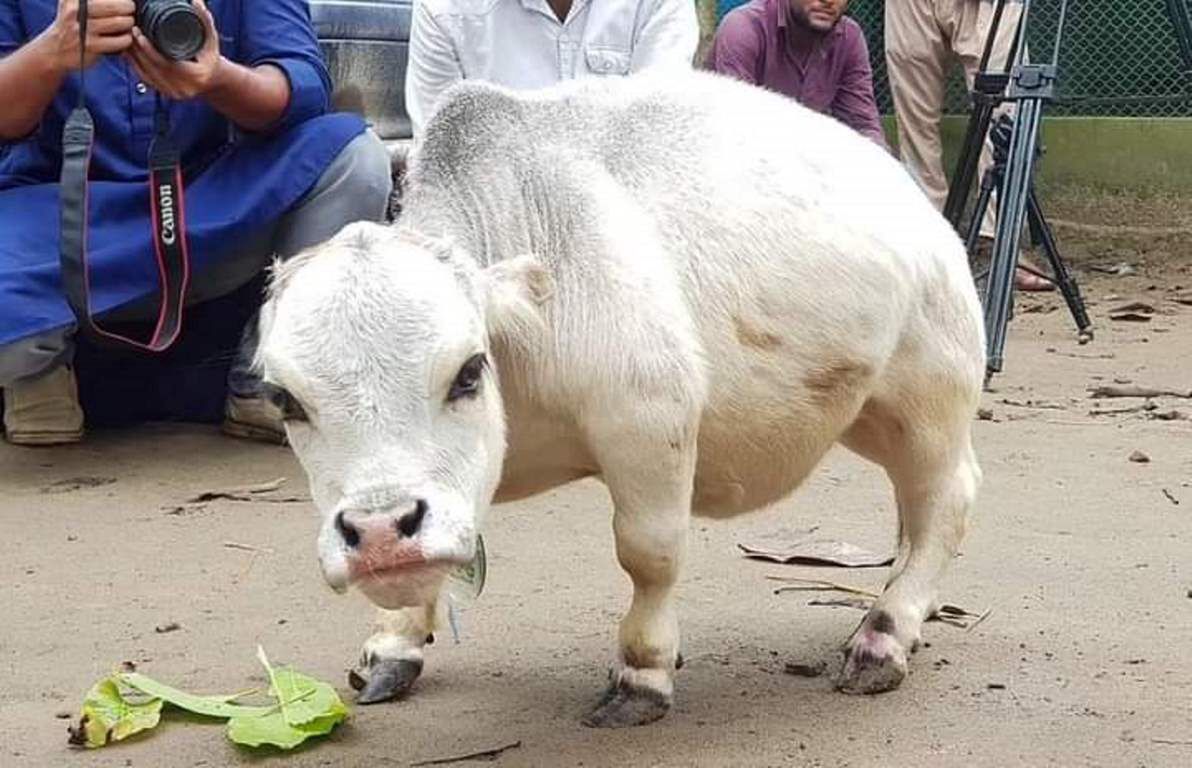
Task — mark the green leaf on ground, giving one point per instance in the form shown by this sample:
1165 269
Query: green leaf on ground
129 702
110 716
305 707
211 706
273 730
302 699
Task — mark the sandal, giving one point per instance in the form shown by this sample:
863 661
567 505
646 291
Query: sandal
1026 280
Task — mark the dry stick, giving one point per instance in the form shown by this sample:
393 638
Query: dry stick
244 547
239 494
818 585
1171 498
1099 356
1186 743
1066 423
980 619
485 754
1148 406
1112 391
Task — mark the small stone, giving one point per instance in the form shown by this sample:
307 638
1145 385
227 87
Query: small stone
985 414
282 621
171 626
1138 457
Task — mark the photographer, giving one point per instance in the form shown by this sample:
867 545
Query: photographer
267 172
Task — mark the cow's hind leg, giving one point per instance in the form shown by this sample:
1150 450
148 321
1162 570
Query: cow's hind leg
392 657
926 449
649 475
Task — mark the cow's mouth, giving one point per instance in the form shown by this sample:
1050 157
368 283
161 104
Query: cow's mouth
402 583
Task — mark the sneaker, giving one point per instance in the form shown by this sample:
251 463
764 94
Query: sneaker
253 418
44 410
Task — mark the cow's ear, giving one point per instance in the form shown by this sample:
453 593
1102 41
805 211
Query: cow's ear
515 292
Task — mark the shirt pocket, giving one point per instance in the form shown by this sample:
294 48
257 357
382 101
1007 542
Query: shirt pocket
607 60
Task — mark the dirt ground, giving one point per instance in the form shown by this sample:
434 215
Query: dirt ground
1083 555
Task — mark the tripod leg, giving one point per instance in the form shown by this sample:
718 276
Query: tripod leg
1063 278
974 230
966 165
1020 168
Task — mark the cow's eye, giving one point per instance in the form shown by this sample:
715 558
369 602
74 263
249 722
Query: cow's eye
291 409
467 381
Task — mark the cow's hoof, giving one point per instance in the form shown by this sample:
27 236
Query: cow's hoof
385 680
625 705
874 662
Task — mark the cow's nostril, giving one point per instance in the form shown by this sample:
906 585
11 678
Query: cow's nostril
409 523
347 530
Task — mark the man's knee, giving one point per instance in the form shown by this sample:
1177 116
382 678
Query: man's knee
366 168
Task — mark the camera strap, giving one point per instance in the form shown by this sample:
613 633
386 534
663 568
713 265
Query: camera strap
166 211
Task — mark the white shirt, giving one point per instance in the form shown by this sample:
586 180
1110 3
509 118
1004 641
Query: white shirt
522 44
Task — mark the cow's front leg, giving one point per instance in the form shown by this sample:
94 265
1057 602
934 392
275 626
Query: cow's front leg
392 657
651 487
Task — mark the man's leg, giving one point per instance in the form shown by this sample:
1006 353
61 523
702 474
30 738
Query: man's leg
355 187
41 398
971 26
916 56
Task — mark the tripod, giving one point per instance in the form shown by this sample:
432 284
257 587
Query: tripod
1030 86
994 180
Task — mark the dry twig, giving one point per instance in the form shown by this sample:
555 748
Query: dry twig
799 584
1134 391
484 754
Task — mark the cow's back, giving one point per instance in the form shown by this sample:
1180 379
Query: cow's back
782 258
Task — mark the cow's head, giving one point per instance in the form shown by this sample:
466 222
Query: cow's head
377 346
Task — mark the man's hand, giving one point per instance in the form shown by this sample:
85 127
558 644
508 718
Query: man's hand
109 31
179 80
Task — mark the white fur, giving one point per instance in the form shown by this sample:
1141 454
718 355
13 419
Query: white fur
689 287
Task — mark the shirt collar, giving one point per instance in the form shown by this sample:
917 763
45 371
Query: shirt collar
543 7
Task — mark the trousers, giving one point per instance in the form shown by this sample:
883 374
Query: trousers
923 37
354 187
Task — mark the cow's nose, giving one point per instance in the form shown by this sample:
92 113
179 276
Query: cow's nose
349 532
359 527
409 523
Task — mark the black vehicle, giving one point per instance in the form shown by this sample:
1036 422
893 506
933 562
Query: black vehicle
366 44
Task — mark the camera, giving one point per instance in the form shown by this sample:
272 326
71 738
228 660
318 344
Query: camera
173 26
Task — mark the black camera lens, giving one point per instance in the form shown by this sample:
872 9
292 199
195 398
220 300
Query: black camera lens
173 26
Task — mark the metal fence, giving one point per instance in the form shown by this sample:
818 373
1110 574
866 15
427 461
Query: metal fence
1116 57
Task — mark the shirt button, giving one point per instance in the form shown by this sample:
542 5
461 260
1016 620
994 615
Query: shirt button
142 88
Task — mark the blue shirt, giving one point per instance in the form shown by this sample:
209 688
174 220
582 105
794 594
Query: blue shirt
236 183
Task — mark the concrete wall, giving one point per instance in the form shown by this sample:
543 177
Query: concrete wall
1131 153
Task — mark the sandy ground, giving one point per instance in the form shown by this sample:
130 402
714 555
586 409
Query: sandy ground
1084 557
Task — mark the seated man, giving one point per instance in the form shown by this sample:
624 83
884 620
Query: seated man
267 172
805 50
536 43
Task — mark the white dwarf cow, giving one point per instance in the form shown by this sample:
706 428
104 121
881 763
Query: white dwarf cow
689 288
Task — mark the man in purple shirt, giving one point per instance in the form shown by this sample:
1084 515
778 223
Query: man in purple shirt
805 50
